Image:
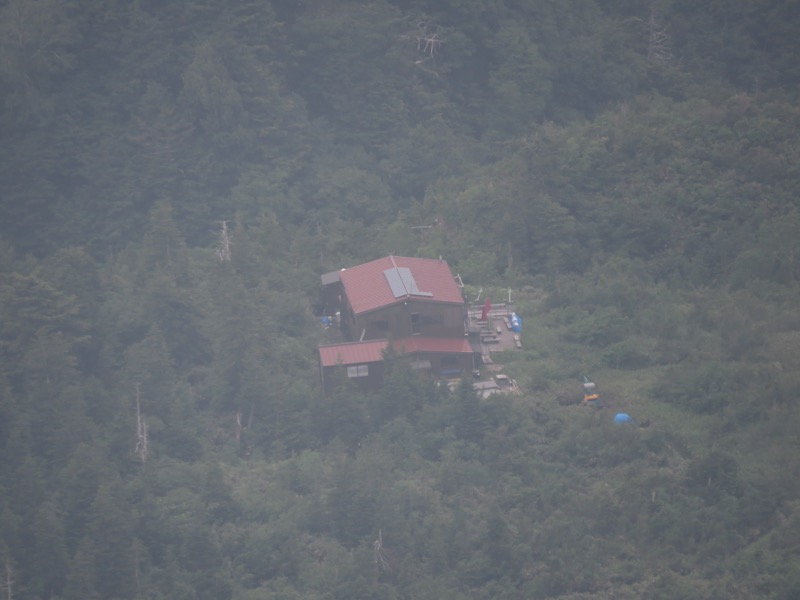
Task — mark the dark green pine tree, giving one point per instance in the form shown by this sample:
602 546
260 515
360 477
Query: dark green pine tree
32 307
404 392
149 366
80 584
48 560
350 507
110 533
470 418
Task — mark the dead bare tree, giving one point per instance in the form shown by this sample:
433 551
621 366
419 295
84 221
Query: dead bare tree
429 43
223 250
381 562
658 39
241 431
141 430
658 48
239 426
7 583
428 40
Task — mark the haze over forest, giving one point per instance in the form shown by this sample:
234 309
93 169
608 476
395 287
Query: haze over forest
630 170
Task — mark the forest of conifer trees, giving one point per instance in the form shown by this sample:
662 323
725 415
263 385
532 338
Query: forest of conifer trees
176 176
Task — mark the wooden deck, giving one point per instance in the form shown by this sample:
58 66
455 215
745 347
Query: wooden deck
495 334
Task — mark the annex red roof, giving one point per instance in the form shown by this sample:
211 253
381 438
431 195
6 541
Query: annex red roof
434 345
352 353
368 287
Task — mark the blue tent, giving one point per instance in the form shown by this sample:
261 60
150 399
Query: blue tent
516 322
623 418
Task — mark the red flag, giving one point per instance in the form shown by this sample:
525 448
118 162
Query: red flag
486 308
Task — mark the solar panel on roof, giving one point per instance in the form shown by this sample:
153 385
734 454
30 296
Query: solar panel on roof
402 282
396 283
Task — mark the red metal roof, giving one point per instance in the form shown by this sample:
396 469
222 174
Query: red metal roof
367 288
352 353
435 345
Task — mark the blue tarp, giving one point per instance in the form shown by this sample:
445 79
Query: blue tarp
516 322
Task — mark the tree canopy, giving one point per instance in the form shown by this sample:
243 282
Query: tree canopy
174 178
